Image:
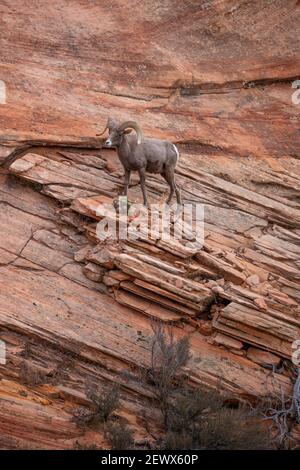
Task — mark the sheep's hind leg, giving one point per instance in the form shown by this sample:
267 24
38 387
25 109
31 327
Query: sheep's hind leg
178 195
169 176
142 174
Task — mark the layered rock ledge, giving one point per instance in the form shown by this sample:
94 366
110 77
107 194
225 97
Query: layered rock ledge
216 78
67 294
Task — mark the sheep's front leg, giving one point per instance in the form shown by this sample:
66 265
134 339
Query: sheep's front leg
142 174
126 182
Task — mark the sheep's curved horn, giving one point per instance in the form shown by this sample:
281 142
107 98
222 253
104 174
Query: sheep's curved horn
132 125
106 127
108 124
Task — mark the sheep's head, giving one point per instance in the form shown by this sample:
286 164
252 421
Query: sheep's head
117 131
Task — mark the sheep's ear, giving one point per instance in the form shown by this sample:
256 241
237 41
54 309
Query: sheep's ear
127 131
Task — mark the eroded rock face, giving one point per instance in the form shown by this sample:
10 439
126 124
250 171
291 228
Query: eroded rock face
92 301
215 78
214 74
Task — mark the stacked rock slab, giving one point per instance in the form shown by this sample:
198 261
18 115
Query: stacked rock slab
177 279
94 299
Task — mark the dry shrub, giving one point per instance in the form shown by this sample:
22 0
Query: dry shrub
119 436
32 376
224 429
82 416
231 429
104 402
189 405
79 446
283 411
177 441
195 418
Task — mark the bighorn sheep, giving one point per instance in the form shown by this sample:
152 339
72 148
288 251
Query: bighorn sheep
137 153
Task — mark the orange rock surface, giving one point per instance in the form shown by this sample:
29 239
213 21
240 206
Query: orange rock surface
215 78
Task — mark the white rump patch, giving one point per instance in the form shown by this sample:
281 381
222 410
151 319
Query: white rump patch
177 153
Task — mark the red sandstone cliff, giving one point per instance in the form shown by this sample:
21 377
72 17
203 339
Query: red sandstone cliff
216 78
